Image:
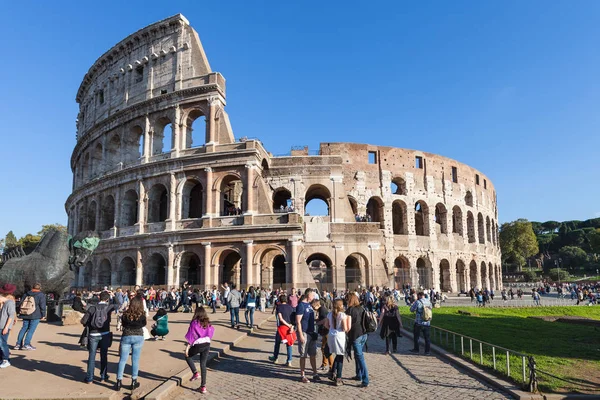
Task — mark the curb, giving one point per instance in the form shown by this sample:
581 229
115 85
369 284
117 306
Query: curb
164 388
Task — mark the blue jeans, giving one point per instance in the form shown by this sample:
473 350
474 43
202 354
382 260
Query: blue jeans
359 359
134 345
95 342
29 326
4 347
276 349
249 310
234 312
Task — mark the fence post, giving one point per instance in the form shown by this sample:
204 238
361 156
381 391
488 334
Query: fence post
507 363
462 345
481 353
524 378
494 356
471 348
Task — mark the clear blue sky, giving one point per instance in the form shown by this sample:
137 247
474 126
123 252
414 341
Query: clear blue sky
509 87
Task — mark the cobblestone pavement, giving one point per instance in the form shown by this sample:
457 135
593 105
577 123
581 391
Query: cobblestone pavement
246 373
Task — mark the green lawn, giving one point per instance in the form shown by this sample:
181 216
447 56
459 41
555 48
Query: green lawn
565 350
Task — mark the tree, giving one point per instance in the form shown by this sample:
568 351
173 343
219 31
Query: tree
29 242
11 240
558 274
550 226
57 226
594 238
517 241
573 256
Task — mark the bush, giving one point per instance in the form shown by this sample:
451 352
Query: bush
529 276
558 274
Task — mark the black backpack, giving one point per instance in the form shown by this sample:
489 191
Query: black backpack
99 317
369 321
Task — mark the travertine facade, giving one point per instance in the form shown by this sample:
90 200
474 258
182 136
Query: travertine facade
157 169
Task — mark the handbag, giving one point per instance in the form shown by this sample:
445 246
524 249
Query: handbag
146 333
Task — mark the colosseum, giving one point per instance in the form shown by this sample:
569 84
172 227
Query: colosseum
176 197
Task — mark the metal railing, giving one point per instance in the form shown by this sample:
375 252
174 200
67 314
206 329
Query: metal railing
517 366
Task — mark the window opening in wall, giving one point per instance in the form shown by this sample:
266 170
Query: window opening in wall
419 162
485 183
454 174
101 96
139 74
398 186
163 91
477 179
372 157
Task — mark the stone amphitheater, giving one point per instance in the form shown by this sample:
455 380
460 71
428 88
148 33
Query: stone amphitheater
175 197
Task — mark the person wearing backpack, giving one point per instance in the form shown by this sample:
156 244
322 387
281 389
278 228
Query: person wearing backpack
97 319
391 324
357 336
423 315
31 310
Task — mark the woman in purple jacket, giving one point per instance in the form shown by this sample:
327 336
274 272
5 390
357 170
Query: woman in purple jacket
198 339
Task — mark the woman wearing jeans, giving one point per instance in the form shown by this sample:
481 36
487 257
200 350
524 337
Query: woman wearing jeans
358 337
250 306
133 320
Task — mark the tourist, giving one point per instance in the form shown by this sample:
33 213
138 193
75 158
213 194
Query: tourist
161 327
250 306
391 325
97 320
213 299
226 290
421 324
338 323
31 310
307 337
357 337
7 319
234 299
284 327
293 298
321 316
132 340
198 338
78 303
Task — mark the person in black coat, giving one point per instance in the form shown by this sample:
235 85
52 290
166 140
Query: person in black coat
391 324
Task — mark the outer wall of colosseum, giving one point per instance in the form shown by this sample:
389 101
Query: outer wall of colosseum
175 197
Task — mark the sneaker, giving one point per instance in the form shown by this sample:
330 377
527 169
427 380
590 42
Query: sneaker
414 351
316 378
273 359
29 347
339 382
203 390
304 379
194 377
289 364
5 364
322 368
17 347
428 354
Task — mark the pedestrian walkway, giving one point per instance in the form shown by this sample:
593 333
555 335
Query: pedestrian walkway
57 368
246 373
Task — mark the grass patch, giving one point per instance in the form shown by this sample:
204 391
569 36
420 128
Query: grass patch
559 349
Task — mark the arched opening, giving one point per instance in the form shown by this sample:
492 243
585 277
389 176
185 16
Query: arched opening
82 219
484 276
191 199
457 222
461 276
354 207
399 218
189 269
158 204
356 271
441 219
195 134
232 190
421 218
264 164
424 271
480 228
113 156
155 272
87 274
133 145
107 215
317 200
401 273
469 199
471 227
127 272
86 172
129 208
282 200
494 229
488 229
279 275
162 141
445 280
104 273
231 267
320 267
398 186
97 160
492 276
473 274
91 216
375 211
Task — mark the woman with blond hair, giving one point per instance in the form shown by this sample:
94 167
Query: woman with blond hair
391 324
338 324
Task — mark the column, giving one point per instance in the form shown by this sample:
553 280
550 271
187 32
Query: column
371 273
117 215
208 278
138 268
248 266
173 203
336 268
81 277
294 260
147 140
177 136
97 216
249 189
142 202
209 201
170 266
211 138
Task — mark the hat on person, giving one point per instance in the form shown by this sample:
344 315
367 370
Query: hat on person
8 289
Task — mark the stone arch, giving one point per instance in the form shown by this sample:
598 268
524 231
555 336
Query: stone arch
162 138
87 274
441 218
469 198
192 197
461 276
473 274
279 270
272 272
190 269
97 168
195 122
230 267
424 271
356 271
134 145
107 213
129 208
127 271
399 218
471 227
376 211
318 193
398 186
155 271
484 276
231 189
457 220
480 228
402 272
321 268
492 276
113 152
104 273
91 216
421 218
81 223
494 232
264 164
86 170
158 203
282 199
353 205
488 229
445 276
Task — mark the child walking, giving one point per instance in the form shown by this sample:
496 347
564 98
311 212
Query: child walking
198 339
